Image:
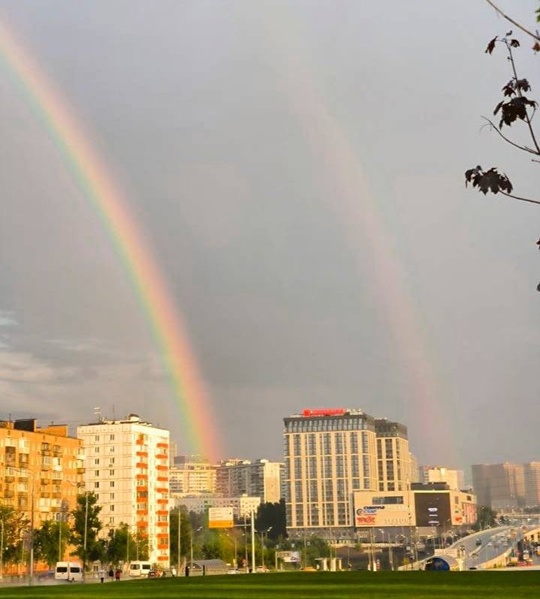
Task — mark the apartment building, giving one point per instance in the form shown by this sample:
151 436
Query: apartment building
499 486
455 479
127 467
329 454
192 475
42 469
260 478
393 455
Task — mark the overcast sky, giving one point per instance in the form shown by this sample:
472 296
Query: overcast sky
298 167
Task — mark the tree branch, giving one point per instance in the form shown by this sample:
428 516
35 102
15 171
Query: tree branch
498 10
509 195
508 140
518 91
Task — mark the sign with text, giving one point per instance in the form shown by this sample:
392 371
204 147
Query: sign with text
220 517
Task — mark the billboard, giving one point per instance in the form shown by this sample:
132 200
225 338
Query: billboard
289 557
375 510
432 509
220 517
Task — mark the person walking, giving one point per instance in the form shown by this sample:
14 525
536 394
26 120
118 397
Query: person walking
101 575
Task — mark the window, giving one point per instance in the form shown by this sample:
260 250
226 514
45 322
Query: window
111 472
96 438
96 461
96 485
111 437
112 483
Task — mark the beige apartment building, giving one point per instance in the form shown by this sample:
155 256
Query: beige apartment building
192 475
499 486
455 479
259 478
42 469
127 467
328 455
393 455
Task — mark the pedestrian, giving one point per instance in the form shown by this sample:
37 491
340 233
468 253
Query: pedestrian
117 574
101 575
111 574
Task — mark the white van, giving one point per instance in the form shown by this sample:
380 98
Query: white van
140 569
70 571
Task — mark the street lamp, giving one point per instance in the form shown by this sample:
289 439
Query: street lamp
262 544
191 544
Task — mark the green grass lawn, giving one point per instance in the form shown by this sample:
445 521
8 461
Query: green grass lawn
303 585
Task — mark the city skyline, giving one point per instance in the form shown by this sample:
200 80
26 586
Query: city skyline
297 171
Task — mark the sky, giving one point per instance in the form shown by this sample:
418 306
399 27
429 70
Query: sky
297 170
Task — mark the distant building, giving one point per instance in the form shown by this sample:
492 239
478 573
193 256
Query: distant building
532 484
455 479
242 506
42 469
261 478
499 486
127 467
192 475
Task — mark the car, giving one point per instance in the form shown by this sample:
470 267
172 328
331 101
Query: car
261 569
232 571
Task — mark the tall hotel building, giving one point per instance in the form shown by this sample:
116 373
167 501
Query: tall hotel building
394 469
328 455
127 467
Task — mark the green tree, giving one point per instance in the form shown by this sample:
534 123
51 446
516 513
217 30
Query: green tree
86 527
271 517
15 528
485 518
50 541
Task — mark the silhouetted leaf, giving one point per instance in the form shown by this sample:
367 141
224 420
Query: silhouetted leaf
491 45
514 43
488 181
509 89
523 85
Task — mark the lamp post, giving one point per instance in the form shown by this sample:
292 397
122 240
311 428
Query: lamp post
191 545
2 549
179 563
262 544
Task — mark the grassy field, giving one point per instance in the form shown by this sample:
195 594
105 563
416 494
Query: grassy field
302 585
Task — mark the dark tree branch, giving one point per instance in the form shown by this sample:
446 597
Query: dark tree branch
520 94
509 195
508 140
535 36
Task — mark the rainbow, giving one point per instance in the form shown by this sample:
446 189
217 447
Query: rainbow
425 401
128 239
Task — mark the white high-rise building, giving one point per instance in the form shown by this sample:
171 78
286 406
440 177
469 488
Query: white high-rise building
127 467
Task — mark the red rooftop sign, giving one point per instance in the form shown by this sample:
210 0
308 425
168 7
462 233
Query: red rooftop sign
324 412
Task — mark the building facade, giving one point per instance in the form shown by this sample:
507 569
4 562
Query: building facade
242 507
329 454
499 486
455 479
42 469
127 467
260 478
192 475
393 455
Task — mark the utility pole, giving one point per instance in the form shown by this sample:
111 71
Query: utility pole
252 542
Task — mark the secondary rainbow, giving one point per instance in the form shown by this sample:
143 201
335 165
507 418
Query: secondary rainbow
128 239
